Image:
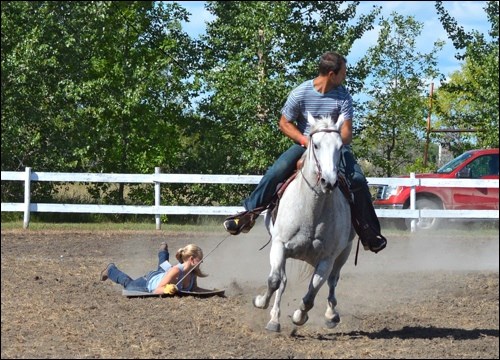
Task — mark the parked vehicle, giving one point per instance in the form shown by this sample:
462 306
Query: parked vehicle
473 164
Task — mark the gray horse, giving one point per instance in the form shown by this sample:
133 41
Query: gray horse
313 224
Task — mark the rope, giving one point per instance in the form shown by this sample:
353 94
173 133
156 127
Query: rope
204 257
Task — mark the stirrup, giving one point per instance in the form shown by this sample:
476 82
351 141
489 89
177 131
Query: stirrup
234 225
382 243
371 240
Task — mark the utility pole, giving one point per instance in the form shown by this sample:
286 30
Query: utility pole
427 137
429 130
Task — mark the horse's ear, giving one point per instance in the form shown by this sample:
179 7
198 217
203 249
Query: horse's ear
310 119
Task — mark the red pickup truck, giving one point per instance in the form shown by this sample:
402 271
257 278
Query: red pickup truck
473 164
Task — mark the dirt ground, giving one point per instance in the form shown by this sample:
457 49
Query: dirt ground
433 296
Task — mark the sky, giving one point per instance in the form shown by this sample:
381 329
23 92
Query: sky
468 14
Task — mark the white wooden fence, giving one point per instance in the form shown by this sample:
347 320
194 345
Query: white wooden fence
157 209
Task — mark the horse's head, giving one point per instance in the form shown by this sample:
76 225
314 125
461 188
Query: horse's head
325 143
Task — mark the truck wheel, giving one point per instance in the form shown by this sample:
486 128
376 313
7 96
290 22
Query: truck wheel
426 223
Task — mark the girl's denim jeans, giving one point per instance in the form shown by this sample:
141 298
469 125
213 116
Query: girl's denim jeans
139 284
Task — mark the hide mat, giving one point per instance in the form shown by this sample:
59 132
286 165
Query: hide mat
199 293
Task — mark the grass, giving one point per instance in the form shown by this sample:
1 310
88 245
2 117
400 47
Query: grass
214 224
200 226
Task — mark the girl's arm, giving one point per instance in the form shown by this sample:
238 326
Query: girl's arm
170 277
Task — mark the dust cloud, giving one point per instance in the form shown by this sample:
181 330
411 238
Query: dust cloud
238 266
412 263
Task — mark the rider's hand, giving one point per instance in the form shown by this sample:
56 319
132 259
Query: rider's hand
170 289
300 163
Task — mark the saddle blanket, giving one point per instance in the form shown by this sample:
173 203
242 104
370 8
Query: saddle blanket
198 293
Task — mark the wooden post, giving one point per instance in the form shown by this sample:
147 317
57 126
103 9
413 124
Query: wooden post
27 197
413 202
157 200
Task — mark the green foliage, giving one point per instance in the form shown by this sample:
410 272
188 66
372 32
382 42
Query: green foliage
392 121
120 87
469 99
254 53
419 167
93 86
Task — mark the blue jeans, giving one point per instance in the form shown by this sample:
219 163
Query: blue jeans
139 284
286 164
352 172
363 210
281 170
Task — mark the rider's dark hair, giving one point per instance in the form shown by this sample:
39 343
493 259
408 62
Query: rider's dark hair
331 61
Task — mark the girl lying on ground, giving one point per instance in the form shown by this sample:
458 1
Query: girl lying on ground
167 278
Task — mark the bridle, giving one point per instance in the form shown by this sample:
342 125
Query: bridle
327 130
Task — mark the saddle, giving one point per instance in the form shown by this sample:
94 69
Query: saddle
368 235
366 231
273 206
247 218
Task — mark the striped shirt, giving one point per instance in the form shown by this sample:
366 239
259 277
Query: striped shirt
305 98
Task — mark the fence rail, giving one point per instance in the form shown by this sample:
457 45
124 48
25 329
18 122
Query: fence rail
158 178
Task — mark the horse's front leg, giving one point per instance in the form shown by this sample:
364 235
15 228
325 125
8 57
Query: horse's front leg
275 281
319 277
332 317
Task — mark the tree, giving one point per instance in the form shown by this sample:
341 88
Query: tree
469 99
254 53
94 86
393 118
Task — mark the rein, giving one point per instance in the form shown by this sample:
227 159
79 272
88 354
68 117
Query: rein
328 130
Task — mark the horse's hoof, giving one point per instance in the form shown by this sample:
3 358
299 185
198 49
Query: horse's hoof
273 326
331 323
259 301
300 317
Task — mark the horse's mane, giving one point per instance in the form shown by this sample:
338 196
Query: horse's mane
323 123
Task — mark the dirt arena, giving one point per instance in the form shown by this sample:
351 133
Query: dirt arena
433 296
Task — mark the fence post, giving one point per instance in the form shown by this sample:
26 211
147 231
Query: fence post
157 199
413 192
27 197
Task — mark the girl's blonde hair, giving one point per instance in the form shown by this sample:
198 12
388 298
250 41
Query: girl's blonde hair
186 252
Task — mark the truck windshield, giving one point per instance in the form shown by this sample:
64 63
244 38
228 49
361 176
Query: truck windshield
453 164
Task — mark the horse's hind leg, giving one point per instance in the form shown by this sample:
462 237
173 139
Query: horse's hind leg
275 281
332 317
319 277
